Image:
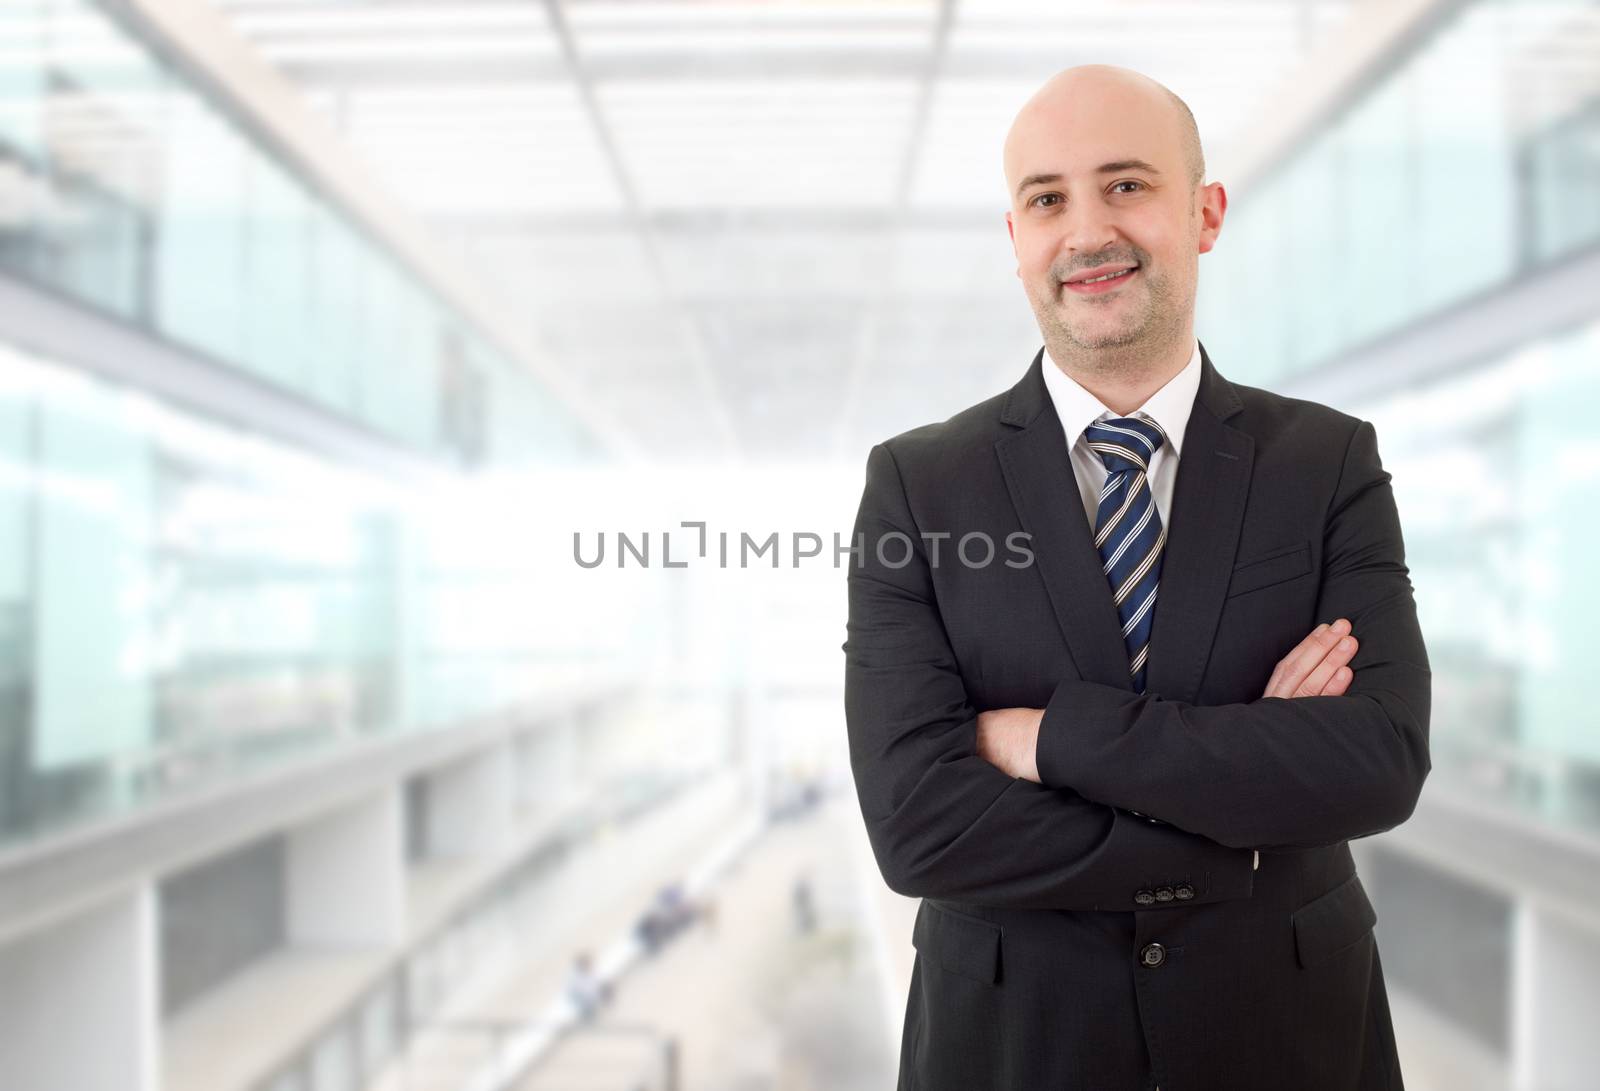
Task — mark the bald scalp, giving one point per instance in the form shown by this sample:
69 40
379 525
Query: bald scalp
1098 76
1194 156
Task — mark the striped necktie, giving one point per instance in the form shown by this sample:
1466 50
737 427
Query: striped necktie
1128 531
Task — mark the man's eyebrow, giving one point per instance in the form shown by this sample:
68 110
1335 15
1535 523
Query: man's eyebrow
1037 180
1103 168
1126 164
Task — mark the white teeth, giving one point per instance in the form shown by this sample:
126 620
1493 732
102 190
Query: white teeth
1108 276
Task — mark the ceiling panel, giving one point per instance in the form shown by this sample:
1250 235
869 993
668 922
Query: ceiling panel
760 230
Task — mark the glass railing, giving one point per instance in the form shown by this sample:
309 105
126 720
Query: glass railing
369 1044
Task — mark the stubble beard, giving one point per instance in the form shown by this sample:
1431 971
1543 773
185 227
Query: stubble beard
1125 350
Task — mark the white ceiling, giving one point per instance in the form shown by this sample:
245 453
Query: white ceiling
754 230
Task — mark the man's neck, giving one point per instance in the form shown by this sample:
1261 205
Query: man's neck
1123 378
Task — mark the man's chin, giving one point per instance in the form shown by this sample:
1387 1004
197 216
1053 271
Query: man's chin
1102 337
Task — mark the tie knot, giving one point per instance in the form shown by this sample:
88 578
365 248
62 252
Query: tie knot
1125 443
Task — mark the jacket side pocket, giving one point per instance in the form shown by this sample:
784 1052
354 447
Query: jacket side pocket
958 943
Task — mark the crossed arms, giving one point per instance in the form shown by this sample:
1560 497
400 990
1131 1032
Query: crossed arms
1275 773
1317 667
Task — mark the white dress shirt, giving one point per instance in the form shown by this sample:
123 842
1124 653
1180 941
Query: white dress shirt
1169 407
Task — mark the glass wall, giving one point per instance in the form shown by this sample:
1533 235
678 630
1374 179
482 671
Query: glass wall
181 601
125 188
1497 475
1473 161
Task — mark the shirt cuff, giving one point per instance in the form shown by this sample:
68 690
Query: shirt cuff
1255 865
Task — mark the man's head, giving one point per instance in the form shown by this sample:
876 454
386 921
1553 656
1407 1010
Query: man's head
1105 171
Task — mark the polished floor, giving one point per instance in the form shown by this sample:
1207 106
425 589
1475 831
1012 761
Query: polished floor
752 1002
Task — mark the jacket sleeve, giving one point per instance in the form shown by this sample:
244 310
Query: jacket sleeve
942 821
1277 772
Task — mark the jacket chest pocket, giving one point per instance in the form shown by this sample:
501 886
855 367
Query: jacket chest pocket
1273 567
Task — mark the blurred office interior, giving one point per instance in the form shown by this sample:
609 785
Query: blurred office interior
334 333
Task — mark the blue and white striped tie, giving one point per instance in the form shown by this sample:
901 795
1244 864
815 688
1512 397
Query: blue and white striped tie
1128 531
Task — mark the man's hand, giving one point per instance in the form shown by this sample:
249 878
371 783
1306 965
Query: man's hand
1316 666
1007 739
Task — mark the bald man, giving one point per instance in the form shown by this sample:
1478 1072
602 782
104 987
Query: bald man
1132 656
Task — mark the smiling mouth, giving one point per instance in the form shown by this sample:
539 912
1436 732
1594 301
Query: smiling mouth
1106 283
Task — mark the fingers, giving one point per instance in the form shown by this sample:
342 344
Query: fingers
1317 664
1292 669
1338 683
1342 651
1275 684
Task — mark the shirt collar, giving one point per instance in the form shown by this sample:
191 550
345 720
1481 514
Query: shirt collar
1169 407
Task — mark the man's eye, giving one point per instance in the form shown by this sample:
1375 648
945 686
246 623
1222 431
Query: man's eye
1127 182
1046 197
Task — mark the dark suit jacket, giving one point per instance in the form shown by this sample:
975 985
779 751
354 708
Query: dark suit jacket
1064 941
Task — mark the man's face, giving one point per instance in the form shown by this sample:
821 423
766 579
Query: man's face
1100 185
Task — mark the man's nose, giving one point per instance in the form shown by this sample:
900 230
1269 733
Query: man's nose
1088 228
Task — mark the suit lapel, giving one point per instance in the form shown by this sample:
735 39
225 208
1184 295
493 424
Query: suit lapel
1207 512
1208 501
1044 491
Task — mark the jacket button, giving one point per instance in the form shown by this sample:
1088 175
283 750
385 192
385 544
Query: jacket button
1164 894
1144 897
1153 954
1184 892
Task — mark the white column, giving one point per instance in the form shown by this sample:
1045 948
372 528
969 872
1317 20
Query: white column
543 770
469 804
346 876
589 720
568 768
79 1004
1555 1006
751 727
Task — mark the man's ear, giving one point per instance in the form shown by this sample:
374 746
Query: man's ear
1012 231
1213 207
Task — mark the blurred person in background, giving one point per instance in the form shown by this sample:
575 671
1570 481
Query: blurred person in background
670 913
585 989
803 902
1126 813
